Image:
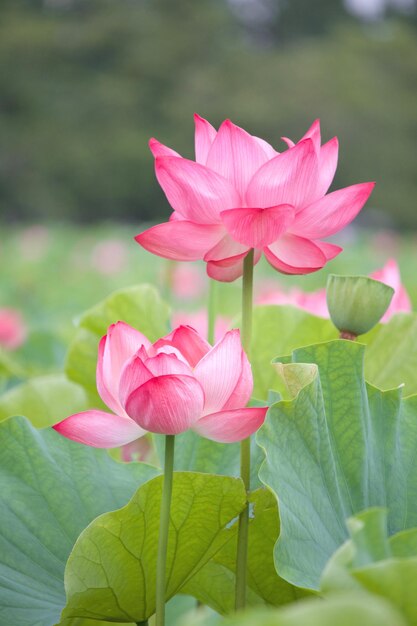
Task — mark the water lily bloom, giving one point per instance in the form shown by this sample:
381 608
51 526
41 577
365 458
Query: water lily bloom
178 382
241 194
315 302
12 329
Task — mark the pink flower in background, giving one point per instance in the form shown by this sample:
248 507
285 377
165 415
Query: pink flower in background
177 383
33 242
13 330
188 282
109 257
315 301
390 275
137 450
240 193
199 321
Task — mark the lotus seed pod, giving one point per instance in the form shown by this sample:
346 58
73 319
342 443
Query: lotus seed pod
356 303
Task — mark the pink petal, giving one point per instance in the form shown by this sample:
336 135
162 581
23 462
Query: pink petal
180 240
328 156
330 250
168 405
244 387
314 134
226 248
159 150
331 213
289 178
188 341
219 371
230 426
135 373
257 228
164 364
290 143
195 191
236 155
228 270
295 255
115 350
203 138
99 429
267 148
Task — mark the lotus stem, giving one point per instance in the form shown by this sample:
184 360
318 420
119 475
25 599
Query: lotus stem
163 531
243 531
212 310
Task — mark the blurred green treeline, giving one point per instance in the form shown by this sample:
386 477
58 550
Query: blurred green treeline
84 84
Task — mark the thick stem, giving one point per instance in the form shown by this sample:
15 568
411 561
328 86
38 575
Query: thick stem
163 530
242 539
211 313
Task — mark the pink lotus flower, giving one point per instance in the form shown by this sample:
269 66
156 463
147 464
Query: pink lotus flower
13 331
240 194
315 301
177 383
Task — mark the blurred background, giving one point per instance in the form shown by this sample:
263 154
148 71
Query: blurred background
85 83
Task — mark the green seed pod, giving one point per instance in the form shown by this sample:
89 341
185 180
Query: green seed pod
356 303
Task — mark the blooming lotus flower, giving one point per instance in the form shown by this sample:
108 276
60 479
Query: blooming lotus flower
12 329
241 194
178 382
315 302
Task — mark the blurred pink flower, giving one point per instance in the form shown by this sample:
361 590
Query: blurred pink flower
33 242
188 282
241 194
390 275
137 450
199 321
109 257
177 383
13 330
315 301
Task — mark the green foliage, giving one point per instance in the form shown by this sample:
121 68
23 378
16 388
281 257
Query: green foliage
390 357
337 447
194 453
336 610
141 307
112 568
214 584
45 400
371 561
50 490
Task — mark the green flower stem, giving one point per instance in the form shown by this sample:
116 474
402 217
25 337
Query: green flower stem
163 530
242 539
212 307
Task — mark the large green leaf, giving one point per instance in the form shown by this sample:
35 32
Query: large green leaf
50 490
111 570
391 358
140 306
386 566
44 399
338 447
214 584
358 608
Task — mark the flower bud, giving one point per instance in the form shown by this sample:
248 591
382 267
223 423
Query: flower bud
356 303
